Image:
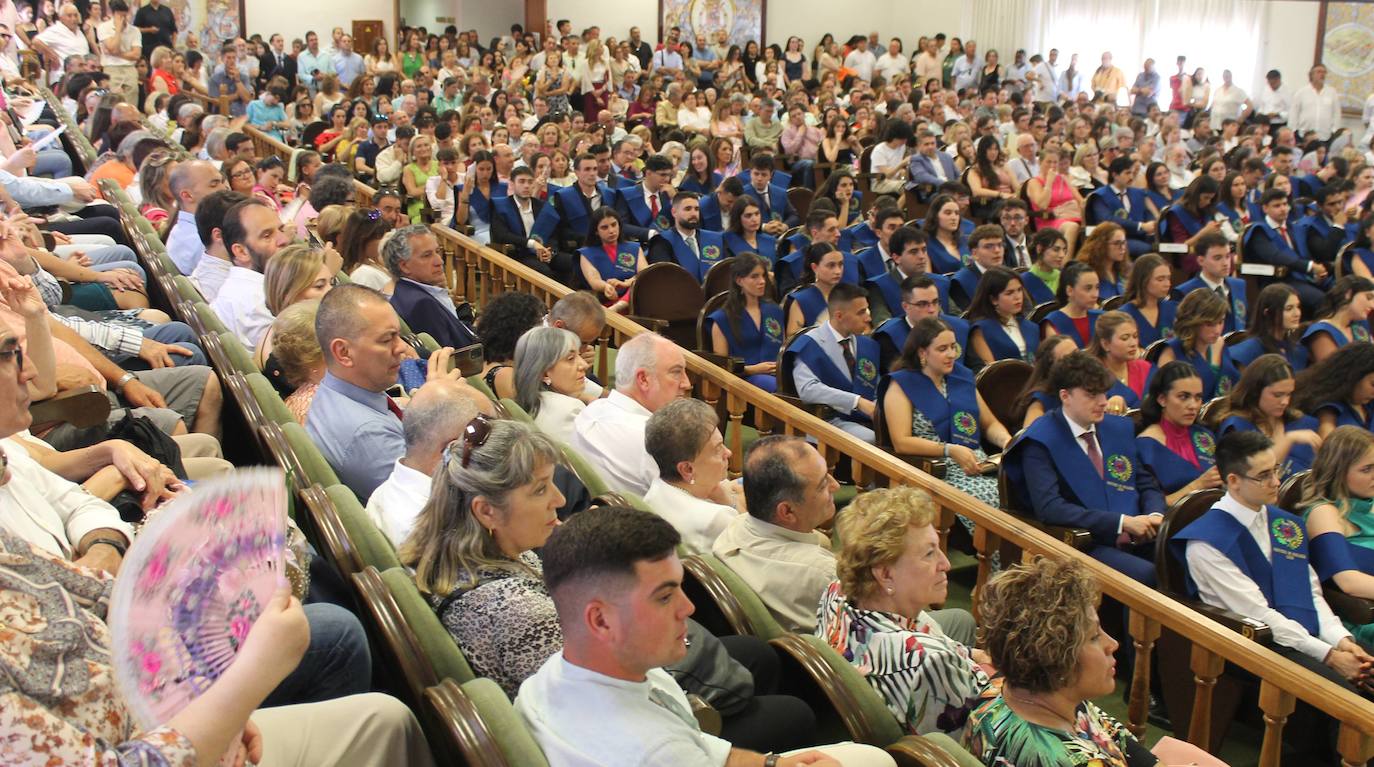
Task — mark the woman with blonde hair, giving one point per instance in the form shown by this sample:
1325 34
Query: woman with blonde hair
1338 501
296 273
1197 341
330 223
877 615
153 175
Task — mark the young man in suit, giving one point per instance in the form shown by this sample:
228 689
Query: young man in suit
985 249
1123 204
778 213
685 242
421 298
277 61
1014 216
920 299
645 208
836 366
715 207
516 222
1213 252
573 205
1269 241
1076 466
909 259
1321 233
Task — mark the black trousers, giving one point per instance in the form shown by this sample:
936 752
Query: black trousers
769 722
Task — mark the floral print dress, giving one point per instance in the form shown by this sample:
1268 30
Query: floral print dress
1001 738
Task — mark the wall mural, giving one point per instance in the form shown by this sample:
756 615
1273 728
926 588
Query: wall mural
742 19
1345 44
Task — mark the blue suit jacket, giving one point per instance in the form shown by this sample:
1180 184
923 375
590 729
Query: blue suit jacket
921 170
780 210
710 213
1103 206
424 314
636 217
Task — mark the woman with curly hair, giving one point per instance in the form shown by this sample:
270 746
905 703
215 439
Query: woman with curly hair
1338 390
500 326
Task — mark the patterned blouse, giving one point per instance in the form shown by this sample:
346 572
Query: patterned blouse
58 701
928 680
506 626
998 736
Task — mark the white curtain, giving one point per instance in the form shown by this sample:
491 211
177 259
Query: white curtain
1213 34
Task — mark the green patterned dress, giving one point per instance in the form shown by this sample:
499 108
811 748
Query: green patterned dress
999 737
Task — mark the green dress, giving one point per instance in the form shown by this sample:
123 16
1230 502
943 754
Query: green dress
996 735
1361 517
411 63
417 204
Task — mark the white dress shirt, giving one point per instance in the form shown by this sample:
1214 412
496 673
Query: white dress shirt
183 243
862 62
396 503
63 42
47 510
1046 86
890 66
1221 583
242 305
582 718
1273 103
810 387
209 276
609 433
789 570
1024 170
698 522
1226 103
556 415
1316 112
444 206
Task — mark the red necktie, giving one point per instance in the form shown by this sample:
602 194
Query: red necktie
396 411
1094 454
653 207
1283 232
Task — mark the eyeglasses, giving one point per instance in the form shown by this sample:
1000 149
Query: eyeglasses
1265 477
474 436
922 304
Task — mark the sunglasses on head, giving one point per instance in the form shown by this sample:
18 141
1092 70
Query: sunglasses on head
475 435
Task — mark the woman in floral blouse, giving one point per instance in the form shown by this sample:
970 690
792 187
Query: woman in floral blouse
891 570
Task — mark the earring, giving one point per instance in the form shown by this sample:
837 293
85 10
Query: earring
548 382
889 590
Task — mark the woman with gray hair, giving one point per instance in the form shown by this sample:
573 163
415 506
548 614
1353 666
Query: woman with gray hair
550 376
691 490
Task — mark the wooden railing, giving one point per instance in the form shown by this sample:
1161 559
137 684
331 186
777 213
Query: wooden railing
213 105
479 273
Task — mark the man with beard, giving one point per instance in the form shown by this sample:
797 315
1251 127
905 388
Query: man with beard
693 248
252 234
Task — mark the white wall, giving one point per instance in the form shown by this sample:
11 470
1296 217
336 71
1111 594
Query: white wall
615 17
294 19
426 13
1290 41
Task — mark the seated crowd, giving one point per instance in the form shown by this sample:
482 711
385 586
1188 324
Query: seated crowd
885 229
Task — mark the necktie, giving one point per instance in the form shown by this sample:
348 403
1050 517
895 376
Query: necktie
849 360
1094 454
280 62
1021 258
1125 202
692 246
1220 291
653 207
1283 232
395 409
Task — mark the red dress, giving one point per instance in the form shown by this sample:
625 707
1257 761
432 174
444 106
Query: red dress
166 77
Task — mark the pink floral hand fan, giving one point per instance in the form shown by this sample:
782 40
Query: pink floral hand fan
195 580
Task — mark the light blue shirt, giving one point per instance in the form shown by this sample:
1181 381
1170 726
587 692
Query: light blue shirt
349 67
440 294
183 243
358 434
32 192
259 115
307 63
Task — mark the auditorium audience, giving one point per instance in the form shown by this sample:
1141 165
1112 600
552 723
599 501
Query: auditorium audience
1198 328
835 365
550 379
692 490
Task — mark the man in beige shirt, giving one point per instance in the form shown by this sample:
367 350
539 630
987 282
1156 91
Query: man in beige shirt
1109 79
775 548
928 65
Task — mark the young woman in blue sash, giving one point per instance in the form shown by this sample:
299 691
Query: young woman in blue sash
475 194
1338 501
839 189
749 326
1262 401
746 234
1035 398
1105 250
1147 299
1116 344
997 331
824 269
609 265
1179 452
932 409
1340 317
1193 216
1231 201
1273 329
1197 341
1359 257
1157 192
1339 389
701 176
1077 296
1041 280
946 243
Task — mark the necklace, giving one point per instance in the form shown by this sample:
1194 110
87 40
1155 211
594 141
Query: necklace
1072 721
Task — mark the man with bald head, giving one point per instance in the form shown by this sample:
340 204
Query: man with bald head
190 182
59 41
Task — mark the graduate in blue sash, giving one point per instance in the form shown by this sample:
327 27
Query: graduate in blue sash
716 205
997 331
1078 298
833 365
1035 398
684 242
1191 216
1197 341
840 190
1359 257
1077 466
1269 241
749 326
1252 558
1273 329
932 409
876 257
1214 259
807 305
574 204
1115 343
1338 390
1262 401
986 249
533 245
701 176
909 258
778 213
646 206
1341 317
1105 251
1123 204
1173 446
1050 252
746 234
608 265
1320 234
946 240
920 299
821 227
1147 299
1338 502
479 188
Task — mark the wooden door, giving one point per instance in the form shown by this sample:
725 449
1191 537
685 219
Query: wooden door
364 33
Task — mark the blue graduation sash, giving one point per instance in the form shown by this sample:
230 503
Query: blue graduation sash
1171 469
941 260
858 236
954 418
710 244
1036 289
1235 301
896 330
891 291
1124 391
1064 326
710 209
870 261
967 279
1227 211
1164 327
793 264
777 199
1190 223
1283 580
691 184
1358 332
768 245
1001 345
1299 457
639 209
865 380
1108 289
545 221
1215 383
478 204
811 301
754 344
1333 553
574 207
1274 237
1116 490
1346 415
626 261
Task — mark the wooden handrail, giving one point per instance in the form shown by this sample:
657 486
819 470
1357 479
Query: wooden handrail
478 273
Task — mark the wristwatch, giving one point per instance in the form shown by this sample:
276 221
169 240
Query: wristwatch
113 543
123 380
770 759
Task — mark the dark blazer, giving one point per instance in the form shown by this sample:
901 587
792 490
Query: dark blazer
424 314
504 233
267 68
921 170
1103 205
